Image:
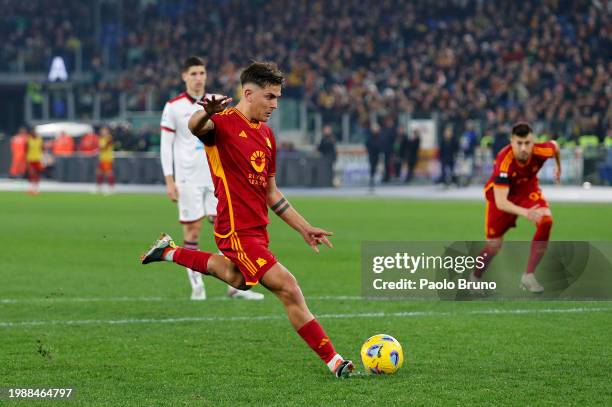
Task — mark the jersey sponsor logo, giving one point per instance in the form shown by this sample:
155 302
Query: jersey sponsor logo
242 134
258 160
535 196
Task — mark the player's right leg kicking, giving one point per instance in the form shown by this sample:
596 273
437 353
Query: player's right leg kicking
277 279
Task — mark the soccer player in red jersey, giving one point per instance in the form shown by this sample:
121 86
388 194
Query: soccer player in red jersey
513 191
241 153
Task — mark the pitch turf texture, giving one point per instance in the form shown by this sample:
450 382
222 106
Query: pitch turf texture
134 338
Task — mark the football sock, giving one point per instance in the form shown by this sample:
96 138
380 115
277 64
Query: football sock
334 362
168 254
487 255
539 243
313 334
192 259
111 180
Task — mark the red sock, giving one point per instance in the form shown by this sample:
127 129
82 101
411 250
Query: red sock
192 259
99 179
487 255
313 334
111 179
539 243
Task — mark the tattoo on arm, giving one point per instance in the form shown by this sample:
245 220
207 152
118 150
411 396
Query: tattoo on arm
281 206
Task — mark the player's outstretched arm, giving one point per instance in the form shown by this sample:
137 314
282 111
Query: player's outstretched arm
200 123
280 205
557 172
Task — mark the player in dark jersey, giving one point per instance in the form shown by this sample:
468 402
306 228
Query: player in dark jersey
512 191
241 151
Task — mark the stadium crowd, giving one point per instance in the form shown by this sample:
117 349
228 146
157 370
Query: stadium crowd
493 61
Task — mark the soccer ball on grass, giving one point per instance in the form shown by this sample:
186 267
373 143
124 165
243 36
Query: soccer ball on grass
382 354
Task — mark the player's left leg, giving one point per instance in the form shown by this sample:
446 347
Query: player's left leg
284 285
34 177
539 244
110 174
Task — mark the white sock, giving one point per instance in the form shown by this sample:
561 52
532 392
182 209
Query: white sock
170 255
332 363
195 278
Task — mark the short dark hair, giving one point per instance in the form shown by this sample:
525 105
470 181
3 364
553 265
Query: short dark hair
192 61
521 130
262 74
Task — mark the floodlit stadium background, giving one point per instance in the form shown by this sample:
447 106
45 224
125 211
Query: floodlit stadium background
77 309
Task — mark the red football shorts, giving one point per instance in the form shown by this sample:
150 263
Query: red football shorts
498 222
105 167
248 249
34 170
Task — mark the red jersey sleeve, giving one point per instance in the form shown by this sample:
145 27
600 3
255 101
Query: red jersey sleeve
502 168
545 150
210 137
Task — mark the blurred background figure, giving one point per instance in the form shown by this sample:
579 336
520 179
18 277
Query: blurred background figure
19 146
388 134
500 140
34 157
105 162
327 145
467 149
410 152
448 154
374 146
89 144
63 146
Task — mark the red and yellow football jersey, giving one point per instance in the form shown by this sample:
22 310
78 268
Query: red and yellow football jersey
241 156
106 149
522 179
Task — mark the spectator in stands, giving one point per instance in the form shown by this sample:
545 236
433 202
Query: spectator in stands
388 135
500 140
541 60
448 155
374 147
327 145
410 153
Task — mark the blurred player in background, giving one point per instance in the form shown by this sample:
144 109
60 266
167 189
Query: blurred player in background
186 171
105 162
19 147
241 152
34 157
513 191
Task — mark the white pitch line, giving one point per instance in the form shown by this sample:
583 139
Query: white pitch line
146 299
410 314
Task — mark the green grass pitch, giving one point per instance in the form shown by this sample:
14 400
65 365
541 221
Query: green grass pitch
74 257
